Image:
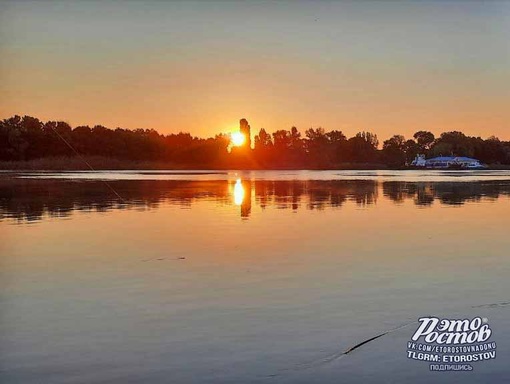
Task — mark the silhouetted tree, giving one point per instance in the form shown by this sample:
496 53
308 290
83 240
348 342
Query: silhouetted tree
27 138
317 146
424 139
337 146
411 149
263 140
394 151
362 148
452 143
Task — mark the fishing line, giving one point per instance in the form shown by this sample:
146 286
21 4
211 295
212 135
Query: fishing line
340 354
86 162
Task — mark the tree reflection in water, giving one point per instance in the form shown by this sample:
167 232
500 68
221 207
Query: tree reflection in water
26 200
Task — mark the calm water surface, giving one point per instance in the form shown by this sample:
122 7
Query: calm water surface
246 277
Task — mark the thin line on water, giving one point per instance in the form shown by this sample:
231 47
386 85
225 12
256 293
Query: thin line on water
86 162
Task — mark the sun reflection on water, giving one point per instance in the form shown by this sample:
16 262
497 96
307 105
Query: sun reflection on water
238 192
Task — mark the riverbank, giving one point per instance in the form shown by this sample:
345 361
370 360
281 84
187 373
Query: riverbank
104 163
82 164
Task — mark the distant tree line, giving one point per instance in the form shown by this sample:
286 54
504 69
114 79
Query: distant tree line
398 151
28 138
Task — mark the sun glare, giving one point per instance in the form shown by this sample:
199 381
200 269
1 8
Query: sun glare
237 139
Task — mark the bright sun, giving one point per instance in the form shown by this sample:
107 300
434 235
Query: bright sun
237 139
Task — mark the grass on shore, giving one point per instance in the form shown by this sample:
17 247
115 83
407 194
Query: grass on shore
104 163
77 164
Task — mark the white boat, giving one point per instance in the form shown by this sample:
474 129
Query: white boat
447 162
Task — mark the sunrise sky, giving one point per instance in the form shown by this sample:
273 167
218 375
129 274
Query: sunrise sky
389 68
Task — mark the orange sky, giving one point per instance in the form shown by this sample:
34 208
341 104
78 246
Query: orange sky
384 67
